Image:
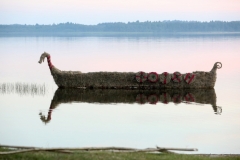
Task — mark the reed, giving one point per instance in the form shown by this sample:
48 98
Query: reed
22 88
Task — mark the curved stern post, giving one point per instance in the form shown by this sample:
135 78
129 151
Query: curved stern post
216 66
213 74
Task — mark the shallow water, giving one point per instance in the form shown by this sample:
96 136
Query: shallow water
109 118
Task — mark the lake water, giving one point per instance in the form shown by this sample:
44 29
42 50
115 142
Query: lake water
34 113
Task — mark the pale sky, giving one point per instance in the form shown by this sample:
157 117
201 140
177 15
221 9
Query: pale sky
98 11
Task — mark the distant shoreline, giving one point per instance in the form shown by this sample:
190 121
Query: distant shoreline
148 28
115 34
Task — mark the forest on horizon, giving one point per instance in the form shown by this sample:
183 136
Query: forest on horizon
148 26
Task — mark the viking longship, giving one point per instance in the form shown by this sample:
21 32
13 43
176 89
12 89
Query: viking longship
131 80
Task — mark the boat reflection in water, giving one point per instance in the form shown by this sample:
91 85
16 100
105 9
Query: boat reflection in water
188 96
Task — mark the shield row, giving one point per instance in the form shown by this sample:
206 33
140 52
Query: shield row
165 77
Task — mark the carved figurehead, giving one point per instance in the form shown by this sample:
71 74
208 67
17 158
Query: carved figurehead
54 71
45 54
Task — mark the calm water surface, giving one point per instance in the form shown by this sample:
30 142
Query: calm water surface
34 113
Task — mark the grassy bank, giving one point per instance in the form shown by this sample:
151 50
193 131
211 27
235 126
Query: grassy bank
43 155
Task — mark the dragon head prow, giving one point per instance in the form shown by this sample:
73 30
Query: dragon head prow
45 54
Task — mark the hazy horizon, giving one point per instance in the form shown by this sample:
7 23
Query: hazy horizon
91 12
118 22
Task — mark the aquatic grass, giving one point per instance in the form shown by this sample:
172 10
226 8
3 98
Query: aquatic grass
6 88
21 88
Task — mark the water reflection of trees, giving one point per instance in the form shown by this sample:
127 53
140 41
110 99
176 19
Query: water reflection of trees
188 96
23 88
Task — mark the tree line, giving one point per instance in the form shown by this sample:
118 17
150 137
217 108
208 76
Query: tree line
148 26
